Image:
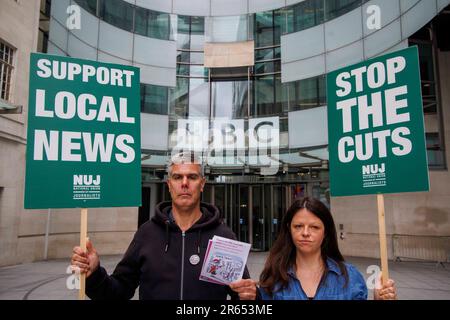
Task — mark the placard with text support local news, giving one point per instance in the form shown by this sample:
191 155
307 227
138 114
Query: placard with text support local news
83 147
376 127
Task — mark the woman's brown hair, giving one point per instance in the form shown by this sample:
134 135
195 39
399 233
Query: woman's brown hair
283 252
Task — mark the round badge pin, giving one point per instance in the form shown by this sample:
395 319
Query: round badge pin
194 259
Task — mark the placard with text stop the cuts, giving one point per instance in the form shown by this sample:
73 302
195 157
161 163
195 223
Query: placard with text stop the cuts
83 140
376 127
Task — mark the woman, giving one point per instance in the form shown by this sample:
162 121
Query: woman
305 262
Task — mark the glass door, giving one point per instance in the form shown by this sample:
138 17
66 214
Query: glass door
278 209
234 209
220 200
257 214
144 209
207 193
244 224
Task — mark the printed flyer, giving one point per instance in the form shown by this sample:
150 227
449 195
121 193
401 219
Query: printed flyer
225 260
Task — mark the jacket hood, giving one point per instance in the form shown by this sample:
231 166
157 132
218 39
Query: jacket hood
210 216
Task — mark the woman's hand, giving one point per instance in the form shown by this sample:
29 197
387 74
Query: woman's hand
387 291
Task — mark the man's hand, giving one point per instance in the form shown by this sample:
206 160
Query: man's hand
88 261
246 288
386 292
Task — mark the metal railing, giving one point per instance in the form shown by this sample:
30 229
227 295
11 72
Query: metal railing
426 248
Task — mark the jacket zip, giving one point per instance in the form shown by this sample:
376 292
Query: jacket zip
182 264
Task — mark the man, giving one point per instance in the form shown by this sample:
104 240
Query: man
166 254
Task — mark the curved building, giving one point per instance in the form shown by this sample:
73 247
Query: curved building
242 82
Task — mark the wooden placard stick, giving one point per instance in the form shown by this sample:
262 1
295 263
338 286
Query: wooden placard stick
83 237
382 235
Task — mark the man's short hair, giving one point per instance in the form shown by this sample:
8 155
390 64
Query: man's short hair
187 157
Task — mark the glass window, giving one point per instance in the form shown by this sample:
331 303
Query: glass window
322 91
264 67
183 27
179 98
336 8
154 99
183 24
227 29
197 57
197 25
435 144
284 125
277 52
88 5
434 151
290 88
230 99
183 69
183 56
173 139
198 98
198 71
251 27
183 41
6 70
306 94
152 24
197 42
281 95
190 32
159 25
277 66
427 78
44 26
278 22
310 13
265 97
288 26
267 67
141 21
264 54
307 14
189 98
264 29
118 13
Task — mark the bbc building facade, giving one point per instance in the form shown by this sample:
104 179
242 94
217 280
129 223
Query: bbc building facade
212 73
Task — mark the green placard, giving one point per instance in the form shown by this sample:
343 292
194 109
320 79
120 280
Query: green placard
83 147
376 127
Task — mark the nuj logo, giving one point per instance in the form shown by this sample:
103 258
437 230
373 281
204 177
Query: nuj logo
86 180
373 169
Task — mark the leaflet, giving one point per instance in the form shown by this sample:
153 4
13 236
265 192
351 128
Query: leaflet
224 261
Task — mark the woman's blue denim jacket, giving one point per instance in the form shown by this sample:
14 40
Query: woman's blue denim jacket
330 288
